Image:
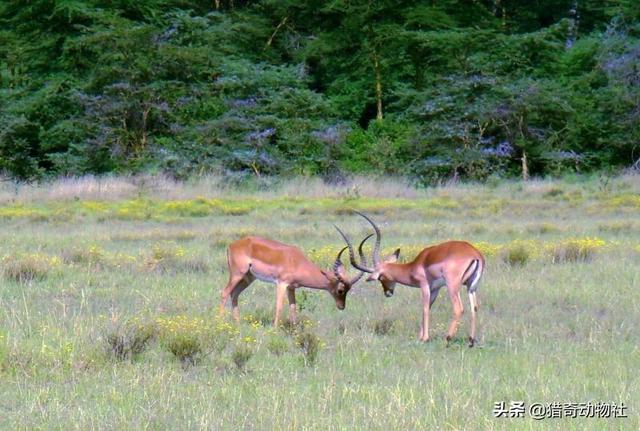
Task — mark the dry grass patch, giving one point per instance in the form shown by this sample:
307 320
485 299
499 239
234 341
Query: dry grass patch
92 255
155 235
25 268
169 257
577 250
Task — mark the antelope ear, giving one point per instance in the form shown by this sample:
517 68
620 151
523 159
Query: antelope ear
326 274
393 257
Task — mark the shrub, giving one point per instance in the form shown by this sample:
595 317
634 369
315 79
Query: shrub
28 267
516 254
241 355
383 326
188 337
577 250
92 256
617 227
260 317
170 258
277 345
186 347
129 340
309 343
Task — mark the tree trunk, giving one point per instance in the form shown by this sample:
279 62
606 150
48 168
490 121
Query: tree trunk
525 167
283 22
574 22
376 67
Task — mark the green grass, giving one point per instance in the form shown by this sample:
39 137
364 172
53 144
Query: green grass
550 330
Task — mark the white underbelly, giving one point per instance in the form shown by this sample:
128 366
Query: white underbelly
269 278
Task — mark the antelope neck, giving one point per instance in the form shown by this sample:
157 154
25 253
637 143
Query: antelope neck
400 273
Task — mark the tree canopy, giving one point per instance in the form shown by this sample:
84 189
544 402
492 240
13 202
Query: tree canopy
430 89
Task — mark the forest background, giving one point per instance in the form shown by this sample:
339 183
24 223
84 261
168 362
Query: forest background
425 89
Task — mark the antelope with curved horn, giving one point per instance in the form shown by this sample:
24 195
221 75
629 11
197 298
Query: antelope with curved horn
254 257
452 264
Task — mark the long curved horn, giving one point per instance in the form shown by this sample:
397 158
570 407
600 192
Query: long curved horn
363 258
337 264
376 249
352 255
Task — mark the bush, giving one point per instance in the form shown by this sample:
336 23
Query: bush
516 255
188 337
28 267
91 256
186 347
577 250
170 258
277 345
129 340
241 355
383 326
309 343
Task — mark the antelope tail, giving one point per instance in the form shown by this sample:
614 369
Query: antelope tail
476 272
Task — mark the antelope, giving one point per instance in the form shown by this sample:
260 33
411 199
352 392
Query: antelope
452 264
259 258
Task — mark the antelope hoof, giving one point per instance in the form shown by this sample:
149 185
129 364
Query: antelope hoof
472 341
448 340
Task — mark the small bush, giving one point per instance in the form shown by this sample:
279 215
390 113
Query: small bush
130 340
260 317
186 347
617 227
187 338
169 258
303 323
93 255
277 345
241 355
383 326
309 343
516 255
577 250
27 268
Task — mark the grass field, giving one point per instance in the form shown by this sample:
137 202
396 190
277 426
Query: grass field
109 291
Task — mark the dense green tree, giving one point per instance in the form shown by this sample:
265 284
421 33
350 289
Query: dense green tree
433 89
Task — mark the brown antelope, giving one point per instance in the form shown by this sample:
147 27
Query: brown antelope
285 265
451 264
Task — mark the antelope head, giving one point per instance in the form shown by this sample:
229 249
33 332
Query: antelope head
339 283
380 267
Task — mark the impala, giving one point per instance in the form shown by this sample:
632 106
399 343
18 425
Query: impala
253 258
452 264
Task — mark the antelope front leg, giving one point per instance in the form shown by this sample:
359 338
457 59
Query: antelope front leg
291 295
426 305
281 288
